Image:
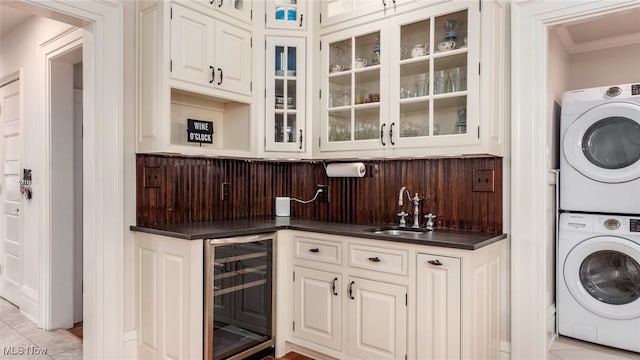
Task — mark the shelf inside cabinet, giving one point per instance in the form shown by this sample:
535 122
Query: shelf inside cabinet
230 120
449 115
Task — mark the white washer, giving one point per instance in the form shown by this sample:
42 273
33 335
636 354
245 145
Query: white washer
598 279
600 142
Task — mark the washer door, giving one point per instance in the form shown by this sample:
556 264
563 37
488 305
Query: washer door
604 143
603 275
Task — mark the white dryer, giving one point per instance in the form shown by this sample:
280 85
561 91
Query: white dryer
598 279
600 144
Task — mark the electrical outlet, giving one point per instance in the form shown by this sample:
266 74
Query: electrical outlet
226 193
152 177
483 180
324 195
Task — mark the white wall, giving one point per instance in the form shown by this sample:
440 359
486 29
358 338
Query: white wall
619 65
20 49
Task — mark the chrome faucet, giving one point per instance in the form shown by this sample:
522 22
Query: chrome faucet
416 207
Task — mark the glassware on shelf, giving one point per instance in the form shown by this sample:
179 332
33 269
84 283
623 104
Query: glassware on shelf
458 78
461 123
422 84
440 82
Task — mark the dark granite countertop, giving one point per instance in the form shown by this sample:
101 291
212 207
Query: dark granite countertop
223 229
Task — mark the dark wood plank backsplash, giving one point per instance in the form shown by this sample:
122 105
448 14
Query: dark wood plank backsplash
175 189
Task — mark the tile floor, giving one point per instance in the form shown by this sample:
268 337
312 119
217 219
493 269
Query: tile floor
565 348
21 339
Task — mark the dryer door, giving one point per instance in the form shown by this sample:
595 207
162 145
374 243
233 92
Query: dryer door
603 275
603 143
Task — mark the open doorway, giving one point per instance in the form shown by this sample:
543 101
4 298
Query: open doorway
66 86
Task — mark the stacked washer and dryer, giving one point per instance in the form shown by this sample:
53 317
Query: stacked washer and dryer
598 268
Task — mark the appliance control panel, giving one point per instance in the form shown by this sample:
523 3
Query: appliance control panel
634 225
635 89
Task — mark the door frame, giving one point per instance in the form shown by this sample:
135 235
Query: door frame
103 166
530 25
50 317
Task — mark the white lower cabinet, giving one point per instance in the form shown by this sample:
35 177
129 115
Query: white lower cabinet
317 307
390 300
169 297
438 308
377 322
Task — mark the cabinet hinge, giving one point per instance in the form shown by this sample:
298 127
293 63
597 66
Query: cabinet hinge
320 18
170 13
319 141
294 273
479 5
265 93
478 132
478 69
265 18
265 44
170 65
294 326
251 42
406 299
405 356
251 15
265 144
320 93
320 45
251 86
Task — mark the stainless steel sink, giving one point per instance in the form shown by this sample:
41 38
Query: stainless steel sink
397 231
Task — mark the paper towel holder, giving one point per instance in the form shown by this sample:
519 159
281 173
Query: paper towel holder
343 169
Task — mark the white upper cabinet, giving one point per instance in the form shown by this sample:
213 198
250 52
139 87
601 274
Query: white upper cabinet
195 81
238 9
287 14
209 53
411 85
354 87
285 95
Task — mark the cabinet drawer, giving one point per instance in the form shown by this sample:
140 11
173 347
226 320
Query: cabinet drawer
318 250
379 259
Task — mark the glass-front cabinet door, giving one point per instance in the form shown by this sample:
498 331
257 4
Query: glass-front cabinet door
354 90
285 96
432 75
287 14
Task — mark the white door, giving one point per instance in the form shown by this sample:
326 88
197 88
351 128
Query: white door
438 307
232 58
377 319
317 307
11 241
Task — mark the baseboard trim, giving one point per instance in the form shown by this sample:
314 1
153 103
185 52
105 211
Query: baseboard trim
29 303
130 344
505 350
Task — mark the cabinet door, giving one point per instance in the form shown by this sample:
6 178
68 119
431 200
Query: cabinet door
354 89
192 39
334 11
438 307
317 307
435 84
287 14
285 85
377 319
239 9
232 58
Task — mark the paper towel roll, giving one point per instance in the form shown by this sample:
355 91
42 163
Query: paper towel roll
346 170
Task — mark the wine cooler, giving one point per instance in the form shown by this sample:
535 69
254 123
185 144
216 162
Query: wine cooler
239 290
